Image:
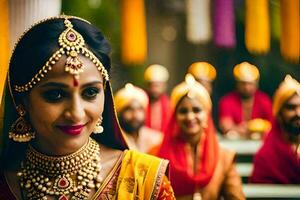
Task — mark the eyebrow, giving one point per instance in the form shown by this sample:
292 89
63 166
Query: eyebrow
62 85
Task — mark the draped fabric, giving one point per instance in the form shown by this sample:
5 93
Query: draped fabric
4 45
276 162
198 21
174 148
23 14
4 55
165 113
134 34
141 176
275 19
290 30
257 28
224 24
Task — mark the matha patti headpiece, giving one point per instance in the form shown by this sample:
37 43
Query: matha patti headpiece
71 44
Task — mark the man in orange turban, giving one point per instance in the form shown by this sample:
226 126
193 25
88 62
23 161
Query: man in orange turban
156 77
238 108
278 161
131 103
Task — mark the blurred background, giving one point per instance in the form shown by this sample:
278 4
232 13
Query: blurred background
176 33
168 44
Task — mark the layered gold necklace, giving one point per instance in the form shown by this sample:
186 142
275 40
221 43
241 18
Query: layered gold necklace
70 177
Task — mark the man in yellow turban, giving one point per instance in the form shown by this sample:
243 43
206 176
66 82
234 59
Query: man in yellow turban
278 161
157 114
131 103
204 73
246 103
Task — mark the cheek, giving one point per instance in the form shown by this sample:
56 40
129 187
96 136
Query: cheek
96 108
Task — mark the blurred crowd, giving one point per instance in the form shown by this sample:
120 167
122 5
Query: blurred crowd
186 128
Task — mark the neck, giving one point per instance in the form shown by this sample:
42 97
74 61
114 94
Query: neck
134 134
55 150
193 140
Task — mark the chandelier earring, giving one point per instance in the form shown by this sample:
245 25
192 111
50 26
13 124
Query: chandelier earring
21 130
98 127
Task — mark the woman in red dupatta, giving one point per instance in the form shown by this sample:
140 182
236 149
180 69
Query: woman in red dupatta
199 168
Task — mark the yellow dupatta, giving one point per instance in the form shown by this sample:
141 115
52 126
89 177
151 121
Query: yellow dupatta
140 176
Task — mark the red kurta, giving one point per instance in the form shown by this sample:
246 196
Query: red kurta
276 162
159 120
230 106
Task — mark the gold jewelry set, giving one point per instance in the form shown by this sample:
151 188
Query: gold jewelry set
70 177
71 44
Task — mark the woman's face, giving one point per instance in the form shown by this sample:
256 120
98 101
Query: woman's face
190 116
63 113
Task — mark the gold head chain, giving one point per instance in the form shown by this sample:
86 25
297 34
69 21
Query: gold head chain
71 44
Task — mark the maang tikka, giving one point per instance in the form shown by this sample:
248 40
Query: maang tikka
98 127
21 130
72 44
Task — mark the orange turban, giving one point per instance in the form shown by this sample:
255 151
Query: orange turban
286 90
203 70
192 89
126 95
245 72
156 73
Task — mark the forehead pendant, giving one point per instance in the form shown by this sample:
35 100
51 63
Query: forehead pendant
72 42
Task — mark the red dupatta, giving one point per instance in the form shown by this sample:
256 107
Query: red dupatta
174 149
276 162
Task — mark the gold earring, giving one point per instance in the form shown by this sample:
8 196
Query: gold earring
98 128
21 130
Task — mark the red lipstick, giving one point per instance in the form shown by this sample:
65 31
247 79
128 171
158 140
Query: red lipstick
71 130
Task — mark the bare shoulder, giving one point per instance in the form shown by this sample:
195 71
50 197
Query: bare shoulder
109 158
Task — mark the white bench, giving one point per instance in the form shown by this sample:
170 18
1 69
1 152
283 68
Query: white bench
271 191
241 147
244 169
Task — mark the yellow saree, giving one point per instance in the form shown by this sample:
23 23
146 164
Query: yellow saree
135 176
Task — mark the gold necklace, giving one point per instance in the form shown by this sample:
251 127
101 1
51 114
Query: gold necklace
68 177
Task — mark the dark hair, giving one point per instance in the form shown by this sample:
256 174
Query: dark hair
40 43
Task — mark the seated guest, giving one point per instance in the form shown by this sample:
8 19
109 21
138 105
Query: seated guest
199 167
278 161
157 114
131 103
247 103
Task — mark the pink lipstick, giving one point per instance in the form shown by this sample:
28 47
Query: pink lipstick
71 130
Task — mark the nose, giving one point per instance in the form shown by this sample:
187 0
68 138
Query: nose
75 110
190 115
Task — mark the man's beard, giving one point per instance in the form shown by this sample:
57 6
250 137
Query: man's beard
290 128
130 127
245 96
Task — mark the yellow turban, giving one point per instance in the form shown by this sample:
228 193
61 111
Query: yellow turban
246 72
286 89
203 70
126 95
192 89
156 73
